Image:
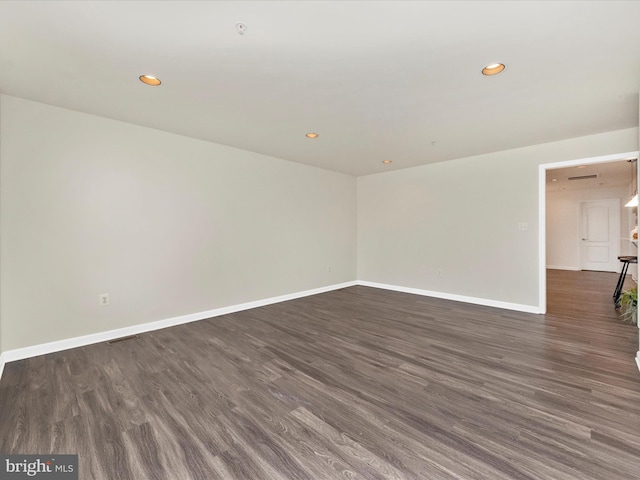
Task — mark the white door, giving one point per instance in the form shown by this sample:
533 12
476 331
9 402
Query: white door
600 235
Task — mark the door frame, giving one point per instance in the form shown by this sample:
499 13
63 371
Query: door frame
542 212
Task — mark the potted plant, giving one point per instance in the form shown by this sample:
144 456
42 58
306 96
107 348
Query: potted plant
629 304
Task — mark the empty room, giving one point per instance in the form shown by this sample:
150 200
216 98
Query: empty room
274 240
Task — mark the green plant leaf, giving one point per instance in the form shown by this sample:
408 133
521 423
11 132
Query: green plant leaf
629 305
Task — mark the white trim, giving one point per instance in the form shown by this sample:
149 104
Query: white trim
559 267
542 238
542 214
60 345
2 362
457 298
57 346
638 354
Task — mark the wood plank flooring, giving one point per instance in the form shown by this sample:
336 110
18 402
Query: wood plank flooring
358 383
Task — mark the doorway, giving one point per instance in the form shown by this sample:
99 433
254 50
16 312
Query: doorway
542 215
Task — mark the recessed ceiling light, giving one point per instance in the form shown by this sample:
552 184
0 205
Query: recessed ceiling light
149 80
493 69
311 135
386 162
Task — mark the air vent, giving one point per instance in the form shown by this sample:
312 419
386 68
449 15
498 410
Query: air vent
122 339
583 177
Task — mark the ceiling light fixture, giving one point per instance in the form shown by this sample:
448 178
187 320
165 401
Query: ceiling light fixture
149 80
311 135
493 69
634 200
387 162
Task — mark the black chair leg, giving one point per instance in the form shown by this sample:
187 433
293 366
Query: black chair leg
618 291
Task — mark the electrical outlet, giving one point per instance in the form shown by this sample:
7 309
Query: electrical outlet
440 272
523 226
104 299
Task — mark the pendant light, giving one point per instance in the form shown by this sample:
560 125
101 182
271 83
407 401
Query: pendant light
634 201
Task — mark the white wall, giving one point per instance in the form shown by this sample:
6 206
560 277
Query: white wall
462 217
1 343
167 225
563 231
635 250
170 225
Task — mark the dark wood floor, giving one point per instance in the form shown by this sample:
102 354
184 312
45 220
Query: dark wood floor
358 383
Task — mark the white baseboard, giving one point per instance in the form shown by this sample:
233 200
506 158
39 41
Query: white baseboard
457 298
57 346
60 345
560 267
1 364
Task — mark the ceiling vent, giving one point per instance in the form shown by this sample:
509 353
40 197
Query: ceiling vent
583 177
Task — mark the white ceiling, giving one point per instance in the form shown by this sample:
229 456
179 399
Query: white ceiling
608 175
377 80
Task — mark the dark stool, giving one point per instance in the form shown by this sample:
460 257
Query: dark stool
626 260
